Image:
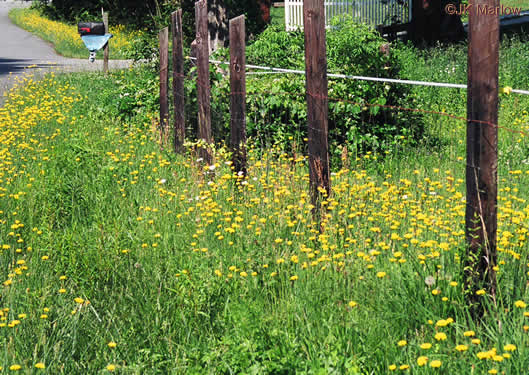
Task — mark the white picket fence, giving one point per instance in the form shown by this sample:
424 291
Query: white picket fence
372 12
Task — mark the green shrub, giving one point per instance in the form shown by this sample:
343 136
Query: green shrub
278 48
138 96
276 103
359 120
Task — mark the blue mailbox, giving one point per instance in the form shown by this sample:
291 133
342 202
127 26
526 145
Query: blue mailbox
93 36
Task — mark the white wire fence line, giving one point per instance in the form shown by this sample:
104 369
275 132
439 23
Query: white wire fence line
361 78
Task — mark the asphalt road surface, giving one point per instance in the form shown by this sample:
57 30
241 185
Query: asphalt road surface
20 49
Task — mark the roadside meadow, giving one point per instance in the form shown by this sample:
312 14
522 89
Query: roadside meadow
118 255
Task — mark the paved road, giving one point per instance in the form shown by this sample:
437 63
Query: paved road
20 49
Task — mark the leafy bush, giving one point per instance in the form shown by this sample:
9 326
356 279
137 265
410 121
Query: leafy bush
360 120
144 47
278 48
138 96
276 103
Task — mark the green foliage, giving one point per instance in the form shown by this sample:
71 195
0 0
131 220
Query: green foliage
132 95
144 48
277 103
138 97
277 48
355 49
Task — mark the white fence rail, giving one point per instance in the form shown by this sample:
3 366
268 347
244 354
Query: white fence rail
372 12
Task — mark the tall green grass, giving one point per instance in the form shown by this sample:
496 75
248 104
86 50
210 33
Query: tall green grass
119 256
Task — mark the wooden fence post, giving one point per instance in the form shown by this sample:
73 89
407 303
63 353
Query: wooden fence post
178 81
238 93
482 153
164 80
317 100
106 51
203 85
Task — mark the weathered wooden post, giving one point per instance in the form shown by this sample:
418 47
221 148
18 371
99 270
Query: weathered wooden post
164 80
106 51
317 100
238 93
482 153
203 85
178 81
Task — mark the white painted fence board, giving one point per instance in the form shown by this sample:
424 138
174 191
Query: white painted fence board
372 12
